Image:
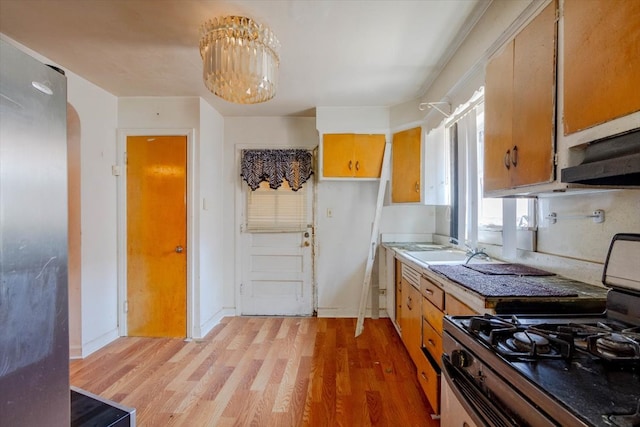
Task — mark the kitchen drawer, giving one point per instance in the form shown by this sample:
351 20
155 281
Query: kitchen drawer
457 308
432 341
432 314
411 276
432 292
429 379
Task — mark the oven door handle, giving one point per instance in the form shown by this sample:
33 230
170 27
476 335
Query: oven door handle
479 407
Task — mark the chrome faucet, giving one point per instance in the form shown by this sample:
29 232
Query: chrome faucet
471 253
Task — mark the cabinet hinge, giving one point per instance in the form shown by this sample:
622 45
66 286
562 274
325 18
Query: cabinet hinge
555 159
126 306
241 288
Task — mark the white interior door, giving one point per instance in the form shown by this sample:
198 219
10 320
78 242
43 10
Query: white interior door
277 267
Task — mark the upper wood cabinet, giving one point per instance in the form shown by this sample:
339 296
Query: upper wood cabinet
348 155
406 171
498 120
601 61
520 107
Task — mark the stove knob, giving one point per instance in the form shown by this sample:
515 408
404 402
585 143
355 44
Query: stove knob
460 359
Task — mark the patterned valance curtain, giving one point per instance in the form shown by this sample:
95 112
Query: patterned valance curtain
275 165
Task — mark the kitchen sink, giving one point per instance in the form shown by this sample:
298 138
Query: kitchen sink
447 256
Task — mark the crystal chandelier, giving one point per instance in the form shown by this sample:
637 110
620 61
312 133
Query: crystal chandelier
240 59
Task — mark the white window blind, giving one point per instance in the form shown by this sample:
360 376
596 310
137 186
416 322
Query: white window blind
281 210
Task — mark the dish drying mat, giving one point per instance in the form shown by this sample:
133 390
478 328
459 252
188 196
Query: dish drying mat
508 269
499 285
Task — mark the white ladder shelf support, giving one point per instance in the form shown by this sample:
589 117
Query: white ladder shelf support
373 244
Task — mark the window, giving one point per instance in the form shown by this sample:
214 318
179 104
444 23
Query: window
278 210
466 128
477 219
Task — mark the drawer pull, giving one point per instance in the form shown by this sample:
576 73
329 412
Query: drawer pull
350 165
424 376
431 343
429 291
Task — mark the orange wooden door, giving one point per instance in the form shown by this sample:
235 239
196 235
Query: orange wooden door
368 155
337 155
156 236
405 179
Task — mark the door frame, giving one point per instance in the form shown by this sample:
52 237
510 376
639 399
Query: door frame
240 205
120 171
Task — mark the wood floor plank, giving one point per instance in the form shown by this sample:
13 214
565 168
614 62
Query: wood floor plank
263 371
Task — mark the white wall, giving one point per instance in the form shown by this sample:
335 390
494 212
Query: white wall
211 231
98 114
581 238
343 239
464 73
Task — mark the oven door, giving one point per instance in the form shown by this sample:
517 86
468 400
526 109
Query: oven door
465 405
496 404
454 412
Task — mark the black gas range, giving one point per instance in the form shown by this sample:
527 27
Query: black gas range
551 370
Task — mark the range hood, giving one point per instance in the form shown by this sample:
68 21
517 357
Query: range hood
612 161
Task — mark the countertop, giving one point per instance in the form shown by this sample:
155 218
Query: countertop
583 298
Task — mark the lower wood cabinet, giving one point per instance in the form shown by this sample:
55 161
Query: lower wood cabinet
429 379
454 307
411 324
432 341
421 307
399 300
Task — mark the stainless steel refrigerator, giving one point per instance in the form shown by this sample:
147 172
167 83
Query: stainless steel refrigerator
34 337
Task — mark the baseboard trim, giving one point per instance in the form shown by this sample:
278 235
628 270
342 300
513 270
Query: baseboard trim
99 342
207 326
75 352
347 312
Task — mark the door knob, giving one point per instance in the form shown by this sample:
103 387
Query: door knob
179 249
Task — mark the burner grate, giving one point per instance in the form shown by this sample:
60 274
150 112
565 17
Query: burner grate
512 340
608 341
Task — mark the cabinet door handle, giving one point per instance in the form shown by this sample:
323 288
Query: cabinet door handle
409 303
507 158
428 291
350 164
423 375
514 156
417 187
357 165
431 343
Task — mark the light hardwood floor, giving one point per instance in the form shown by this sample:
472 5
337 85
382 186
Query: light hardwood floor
263 371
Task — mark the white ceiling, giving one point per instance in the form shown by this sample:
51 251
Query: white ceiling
334 53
